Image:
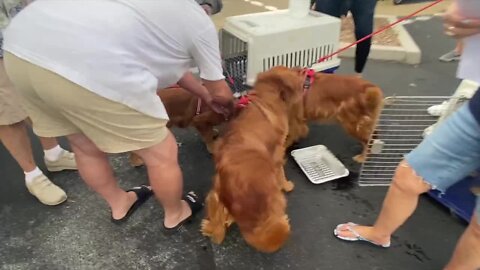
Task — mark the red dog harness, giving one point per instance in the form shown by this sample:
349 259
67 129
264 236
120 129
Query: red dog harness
309 74
309 78
244 100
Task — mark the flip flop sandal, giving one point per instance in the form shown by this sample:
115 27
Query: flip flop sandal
195 205
143 193
349 226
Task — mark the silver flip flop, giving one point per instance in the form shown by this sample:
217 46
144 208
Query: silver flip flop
357 237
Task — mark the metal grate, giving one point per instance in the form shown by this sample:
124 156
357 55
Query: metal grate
303 58
235 56
399 130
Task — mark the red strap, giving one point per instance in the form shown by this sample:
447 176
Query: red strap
309 77
243 102
378 31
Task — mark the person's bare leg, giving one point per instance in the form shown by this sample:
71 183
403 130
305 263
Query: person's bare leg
166 179
96 171
399 204
467 253
16 140
47 143
459 47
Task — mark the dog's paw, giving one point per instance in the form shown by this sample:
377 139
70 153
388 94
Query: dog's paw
288 186
216 235
359 158
229 222
135 160
206 228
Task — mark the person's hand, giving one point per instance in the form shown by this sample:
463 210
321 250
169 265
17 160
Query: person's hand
220 98
207 8
216 94
221 101
458 26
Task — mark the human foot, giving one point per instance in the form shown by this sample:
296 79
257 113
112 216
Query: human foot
191 205
45 191
134 198
65 161
353 232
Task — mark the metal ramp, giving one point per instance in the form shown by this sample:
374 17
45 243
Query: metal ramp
399 130
401 127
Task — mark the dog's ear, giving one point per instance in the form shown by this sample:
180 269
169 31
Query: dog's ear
291 85
287 80
270 235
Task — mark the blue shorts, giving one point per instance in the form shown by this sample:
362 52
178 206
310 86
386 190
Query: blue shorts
450 153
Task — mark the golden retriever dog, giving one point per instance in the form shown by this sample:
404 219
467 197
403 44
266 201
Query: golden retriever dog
249 161
185 110
352 102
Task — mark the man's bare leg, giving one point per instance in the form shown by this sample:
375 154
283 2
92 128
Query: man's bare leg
166 179
16 140
96 171
467 253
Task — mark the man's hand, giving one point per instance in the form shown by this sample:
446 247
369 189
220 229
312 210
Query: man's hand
457 26
221 97
216 94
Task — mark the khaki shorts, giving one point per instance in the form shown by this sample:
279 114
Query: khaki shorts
11 110
59 107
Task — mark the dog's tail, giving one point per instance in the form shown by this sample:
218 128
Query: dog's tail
374 97
373 105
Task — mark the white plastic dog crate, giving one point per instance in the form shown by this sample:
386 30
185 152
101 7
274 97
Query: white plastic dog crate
254 43
403 124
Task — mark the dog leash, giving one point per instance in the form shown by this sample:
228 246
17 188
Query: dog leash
199 106
243 100
379 31
322 59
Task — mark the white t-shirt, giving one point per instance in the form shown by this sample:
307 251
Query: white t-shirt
469 67
122 50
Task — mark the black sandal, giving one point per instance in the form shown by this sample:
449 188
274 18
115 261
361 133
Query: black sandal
143 193
195 205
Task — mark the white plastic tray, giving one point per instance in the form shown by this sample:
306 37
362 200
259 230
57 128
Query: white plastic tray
319 164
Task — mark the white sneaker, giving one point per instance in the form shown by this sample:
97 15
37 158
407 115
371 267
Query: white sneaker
450 56
46 192
466 89
65 162
438 110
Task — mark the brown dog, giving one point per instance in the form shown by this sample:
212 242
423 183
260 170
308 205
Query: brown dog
249 162
351 101
185 110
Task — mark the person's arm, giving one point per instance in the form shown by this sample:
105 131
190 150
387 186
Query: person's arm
458 26
212 93
205 51
193 85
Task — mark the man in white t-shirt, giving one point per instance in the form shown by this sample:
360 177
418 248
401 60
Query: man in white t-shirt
89 70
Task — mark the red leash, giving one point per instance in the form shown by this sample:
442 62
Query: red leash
378 31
